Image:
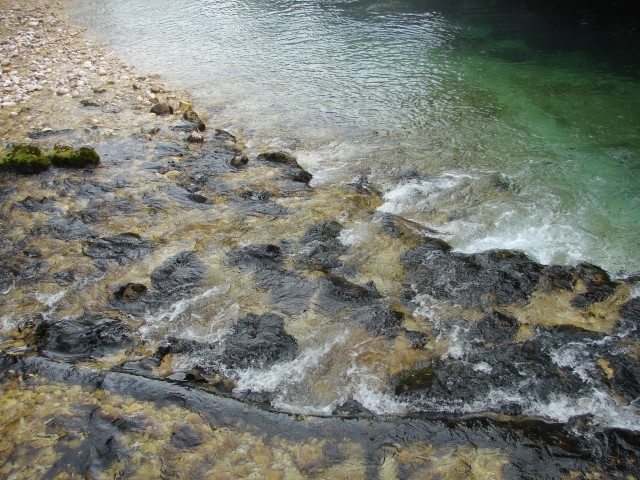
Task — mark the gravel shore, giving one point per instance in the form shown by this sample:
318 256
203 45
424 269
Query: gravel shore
53 77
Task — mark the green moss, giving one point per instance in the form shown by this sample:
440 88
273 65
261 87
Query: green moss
25 159
65 156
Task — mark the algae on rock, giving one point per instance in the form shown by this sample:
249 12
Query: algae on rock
25 159
65 156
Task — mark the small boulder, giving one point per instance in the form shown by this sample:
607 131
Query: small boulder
65 156
25 159
289 165
278 157
239 160
193 117
162 109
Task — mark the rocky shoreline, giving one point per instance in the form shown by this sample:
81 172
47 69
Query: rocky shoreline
144 299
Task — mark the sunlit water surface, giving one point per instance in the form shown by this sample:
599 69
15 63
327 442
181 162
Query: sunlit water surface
496 126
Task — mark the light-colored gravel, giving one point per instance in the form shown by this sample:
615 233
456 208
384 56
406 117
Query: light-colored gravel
53 77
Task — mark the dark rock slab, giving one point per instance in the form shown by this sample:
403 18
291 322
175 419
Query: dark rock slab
351 408
65 228
626 376
259 202
526 370
494 328
31 204
481 280
320 247
83 338
380 320
178 273
629 325
259 341
596 280
123 249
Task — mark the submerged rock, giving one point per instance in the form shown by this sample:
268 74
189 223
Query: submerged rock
65 156
122 249
259 341
193 117
184 437
195 137
65 228
288 164
321 247
177 273
258 201
25 159
239 160
131 292
83 338
162 109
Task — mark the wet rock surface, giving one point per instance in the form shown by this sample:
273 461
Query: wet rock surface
259 341
83 338
122 249
530 449
179 272
481 280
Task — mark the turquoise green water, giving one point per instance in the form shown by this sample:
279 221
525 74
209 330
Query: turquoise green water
497 126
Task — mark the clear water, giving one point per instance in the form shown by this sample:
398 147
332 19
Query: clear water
495 125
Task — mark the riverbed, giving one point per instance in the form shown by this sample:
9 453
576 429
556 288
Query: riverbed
210 303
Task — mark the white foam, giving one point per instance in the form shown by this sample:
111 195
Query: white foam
457 345
483 367
416 196
547 243
381 403
7 322
50 300
469 212
576 357
285 373
165 318
359 234
605 410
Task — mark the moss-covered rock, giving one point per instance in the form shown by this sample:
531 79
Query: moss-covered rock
65 156
25 159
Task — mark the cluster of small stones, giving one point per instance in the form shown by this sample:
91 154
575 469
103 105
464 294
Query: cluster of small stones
42 54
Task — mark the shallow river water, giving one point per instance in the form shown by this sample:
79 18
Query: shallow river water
438 281
499 126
